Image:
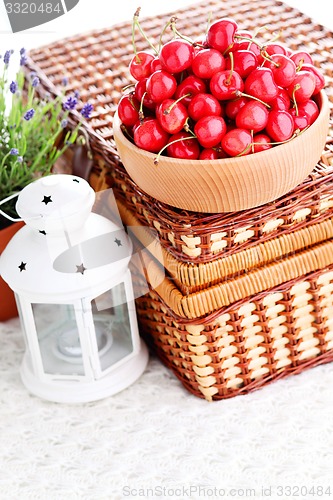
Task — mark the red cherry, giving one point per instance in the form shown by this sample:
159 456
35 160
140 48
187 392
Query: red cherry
302 87
204 105
161 85
238 40
172 115
232 108
252 116
188 149
237 142
244 62
319 77
301 57
280 125
224 85
128 110
282 100
140 89
210 130
285 72
309 108
209 154
207 62
139 66
301 120
176 55
261 142
150 136
252 47
221 33
191 85
260 84
275 48
155 65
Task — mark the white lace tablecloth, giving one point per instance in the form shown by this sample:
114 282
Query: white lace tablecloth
156 440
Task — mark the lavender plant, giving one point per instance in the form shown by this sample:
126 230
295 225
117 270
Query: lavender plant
30 128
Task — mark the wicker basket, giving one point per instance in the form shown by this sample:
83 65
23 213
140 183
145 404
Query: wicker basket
97 65
230 336
193 277
250 343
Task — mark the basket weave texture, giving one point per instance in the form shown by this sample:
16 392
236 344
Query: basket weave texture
248 344
223 332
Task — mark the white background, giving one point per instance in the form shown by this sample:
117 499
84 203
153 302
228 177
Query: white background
93 14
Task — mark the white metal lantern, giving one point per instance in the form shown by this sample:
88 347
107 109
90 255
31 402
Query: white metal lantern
69 270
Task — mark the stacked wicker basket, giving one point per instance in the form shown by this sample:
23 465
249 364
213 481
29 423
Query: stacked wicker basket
237 300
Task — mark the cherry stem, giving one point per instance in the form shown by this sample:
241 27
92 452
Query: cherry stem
257 30
186 127
168 110
162 33
242 94
248 147
295 134
252 143
128 86
300 64
176 32
296 87
126 132
156 160
210 15
250 40
141 114
276 37
130 98
266 56
135 24
228 80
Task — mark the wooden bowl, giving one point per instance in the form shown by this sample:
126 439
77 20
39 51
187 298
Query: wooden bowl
230 184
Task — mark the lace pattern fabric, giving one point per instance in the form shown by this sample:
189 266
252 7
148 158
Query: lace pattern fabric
156 440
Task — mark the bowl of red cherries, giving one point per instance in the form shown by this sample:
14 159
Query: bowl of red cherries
221 123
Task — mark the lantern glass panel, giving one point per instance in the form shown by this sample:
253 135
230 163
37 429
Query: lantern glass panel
112 325
58 338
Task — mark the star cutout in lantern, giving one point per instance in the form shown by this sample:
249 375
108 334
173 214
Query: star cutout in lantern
118 242
46 200
76 180
80 269
22 266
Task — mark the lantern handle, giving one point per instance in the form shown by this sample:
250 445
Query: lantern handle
9 217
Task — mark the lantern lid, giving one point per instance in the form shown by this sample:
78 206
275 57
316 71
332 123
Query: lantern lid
53 199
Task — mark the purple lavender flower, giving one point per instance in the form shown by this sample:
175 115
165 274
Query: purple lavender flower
6 57
13 87
87 110
22 51
23 60
35 81
29 114
65 81
19 159
64 123
70 103
14 152
76 94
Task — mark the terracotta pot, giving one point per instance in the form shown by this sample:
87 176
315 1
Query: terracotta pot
7 300
229 184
